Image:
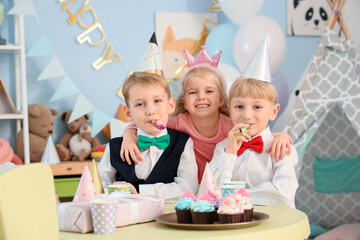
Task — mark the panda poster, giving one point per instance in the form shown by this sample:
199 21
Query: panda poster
307 17
176 32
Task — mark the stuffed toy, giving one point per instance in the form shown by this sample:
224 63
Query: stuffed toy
80 144
63 146
41 123
7 154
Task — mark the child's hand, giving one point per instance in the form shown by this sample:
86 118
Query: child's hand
133 189
235 140
129 147
279 145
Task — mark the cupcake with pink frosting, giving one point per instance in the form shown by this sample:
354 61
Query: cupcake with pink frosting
246 204
229 211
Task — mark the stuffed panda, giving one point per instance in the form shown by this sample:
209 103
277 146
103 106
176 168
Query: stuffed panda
308 17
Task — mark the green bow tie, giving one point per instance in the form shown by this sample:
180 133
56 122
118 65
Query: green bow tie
161 142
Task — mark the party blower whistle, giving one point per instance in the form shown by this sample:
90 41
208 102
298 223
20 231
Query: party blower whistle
240 131
158 126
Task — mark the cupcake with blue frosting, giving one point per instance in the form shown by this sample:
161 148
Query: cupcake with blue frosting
183 206
203 212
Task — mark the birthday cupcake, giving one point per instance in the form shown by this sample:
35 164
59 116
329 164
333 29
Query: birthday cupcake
203 212
183 206
216 198
246 204
229 211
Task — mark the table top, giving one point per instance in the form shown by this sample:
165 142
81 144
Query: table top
284 224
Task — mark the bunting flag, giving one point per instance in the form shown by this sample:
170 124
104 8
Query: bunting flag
24 7
41 48
100 120
50 155
117 128
82 107
65 89
52 70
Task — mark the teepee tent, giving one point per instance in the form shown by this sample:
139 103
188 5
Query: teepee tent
325 129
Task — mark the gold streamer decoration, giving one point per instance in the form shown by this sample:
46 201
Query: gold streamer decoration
96 178
201 41
215 7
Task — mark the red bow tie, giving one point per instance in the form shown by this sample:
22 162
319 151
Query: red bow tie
256 144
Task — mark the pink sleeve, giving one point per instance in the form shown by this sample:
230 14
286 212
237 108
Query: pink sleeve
172 123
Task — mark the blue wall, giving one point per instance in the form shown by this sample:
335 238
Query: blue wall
128 26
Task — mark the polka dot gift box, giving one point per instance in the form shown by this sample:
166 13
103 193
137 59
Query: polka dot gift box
104 213
86 190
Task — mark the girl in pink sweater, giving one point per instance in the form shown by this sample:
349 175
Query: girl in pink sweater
202 112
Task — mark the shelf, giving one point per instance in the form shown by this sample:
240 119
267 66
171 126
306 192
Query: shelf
70 168
10 48
11 116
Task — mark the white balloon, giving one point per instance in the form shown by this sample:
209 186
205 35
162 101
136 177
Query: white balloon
240 10
249 37
230 74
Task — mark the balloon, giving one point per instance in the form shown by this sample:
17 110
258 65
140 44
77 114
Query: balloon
240 10
222 38
230 74
282 87
249 37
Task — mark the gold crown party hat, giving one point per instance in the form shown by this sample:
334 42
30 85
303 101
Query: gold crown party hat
151 60
96 178
259 65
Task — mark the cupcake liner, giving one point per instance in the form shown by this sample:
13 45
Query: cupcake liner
229 218
248 215
203 217
183 216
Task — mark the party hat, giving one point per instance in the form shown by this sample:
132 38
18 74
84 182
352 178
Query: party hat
151 60
259 65
207 182
86 189
50 155
96 178
202 58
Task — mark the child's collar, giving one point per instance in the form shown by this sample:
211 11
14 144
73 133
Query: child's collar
162 133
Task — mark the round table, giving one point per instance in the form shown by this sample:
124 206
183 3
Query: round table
284 223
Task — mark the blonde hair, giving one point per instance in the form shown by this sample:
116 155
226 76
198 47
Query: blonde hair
248 87
146 79
203 72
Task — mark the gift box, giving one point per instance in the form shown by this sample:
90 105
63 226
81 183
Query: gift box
132 208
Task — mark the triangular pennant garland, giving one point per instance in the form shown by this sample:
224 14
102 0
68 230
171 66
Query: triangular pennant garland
82 107
65 89
117 128
41 48
52 70
100 120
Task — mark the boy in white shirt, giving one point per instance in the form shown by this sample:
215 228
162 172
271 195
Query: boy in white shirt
168 168
242 157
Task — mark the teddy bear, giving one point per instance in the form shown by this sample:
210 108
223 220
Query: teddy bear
63 146
41 123
80 144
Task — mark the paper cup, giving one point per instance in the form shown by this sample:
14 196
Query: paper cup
119 187
104 213
226 189
240 184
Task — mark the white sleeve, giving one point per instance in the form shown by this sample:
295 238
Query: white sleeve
186 177
106 171
222 164
282 189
